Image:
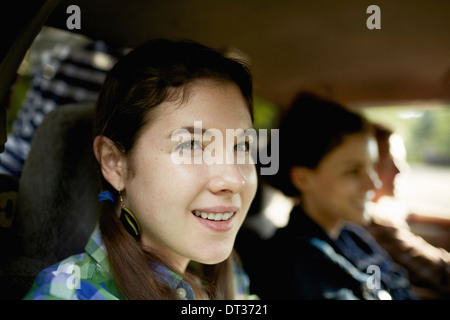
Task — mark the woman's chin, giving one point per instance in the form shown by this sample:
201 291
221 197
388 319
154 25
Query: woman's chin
214 256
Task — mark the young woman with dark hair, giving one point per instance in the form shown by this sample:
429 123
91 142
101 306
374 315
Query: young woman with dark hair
328 156
166 230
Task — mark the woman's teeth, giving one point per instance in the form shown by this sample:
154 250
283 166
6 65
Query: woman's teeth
213 216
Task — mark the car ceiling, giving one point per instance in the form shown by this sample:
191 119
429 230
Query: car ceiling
321 45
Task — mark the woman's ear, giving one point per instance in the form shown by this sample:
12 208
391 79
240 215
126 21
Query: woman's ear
300 177
112 161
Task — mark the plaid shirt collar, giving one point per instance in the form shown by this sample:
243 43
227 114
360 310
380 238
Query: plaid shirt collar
96 249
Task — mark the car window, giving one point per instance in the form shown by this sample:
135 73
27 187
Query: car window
423 136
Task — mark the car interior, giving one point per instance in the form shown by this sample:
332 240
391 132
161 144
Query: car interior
391 64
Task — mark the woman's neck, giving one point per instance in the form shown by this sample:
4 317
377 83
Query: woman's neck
178 262
330 224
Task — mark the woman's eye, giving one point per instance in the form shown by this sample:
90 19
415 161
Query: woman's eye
354 171
242 146
190 145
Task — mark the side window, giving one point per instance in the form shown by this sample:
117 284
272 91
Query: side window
425 131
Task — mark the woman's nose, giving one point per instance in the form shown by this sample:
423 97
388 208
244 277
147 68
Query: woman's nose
372 181
226 178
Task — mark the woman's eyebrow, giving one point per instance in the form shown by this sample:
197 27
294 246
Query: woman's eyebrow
352 162
194 130
190 129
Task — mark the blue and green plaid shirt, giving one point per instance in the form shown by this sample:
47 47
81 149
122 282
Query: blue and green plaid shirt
87 276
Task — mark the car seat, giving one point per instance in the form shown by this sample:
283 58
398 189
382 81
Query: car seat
56 204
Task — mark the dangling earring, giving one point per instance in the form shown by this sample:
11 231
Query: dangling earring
129 221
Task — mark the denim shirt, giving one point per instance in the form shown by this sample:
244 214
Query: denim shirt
311 266
87 276
365 253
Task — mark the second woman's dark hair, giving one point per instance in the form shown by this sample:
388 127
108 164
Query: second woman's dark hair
312 127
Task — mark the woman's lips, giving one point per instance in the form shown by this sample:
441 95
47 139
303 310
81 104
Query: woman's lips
213 216
219 218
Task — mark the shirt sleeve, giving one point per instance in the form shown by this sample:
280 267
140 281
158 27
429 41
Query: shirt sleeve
70 279
54 283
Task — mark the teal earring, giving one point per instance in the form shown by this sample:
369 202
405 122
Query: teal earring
129 221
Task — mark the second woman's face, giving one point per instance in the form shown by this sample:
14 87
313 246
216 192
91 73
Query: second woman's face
191 211
387 172
339 188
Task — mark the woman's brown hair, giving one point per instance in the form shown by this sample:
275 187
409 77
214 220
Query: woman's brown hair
311 129
157 71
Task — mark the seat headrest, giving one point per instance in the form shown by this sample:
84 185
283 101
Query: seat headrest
57 198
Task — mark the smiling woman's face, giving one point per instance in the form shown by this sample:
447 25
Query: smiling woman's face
338 188
171 200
